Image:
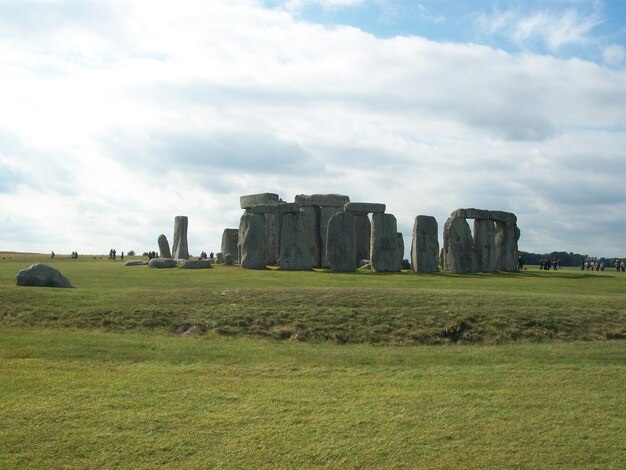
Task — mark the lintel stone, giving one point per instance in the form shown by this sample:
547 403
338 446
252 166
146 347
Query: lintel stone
362 208
322 200
246 202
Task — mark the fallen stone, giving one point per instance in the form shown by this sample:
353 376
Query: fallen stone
42 275
162 263
136 263
197 264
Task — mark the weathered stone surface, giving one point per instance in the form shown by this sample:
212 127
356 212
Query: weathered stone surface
272 231
363 208
197 264
42 275
471 214
295 252
322 200
501 216
264 209
425 245
406 264
287 207
400 250
228 259
364 263
485 245
312 216
458 245
385 249
506 246
340 243
253 241
161 263
219 258
136 263
164 247
250 200
362 234
230 239
179 247
326 213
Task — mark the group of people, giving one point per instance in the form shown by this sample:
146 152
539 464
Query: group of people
152 254
591 265
113 254
203 255
547 263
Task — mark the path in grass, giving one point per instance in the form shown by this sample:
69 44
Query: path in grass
78 399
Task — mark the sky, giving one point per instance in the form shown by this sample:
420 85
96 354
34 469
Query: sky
118 116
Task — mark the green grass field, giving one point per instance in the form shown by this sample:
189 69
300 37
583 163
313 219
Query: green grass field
143 368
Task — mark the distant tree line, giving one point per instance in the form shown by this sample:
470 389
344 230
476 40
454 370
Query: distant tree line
567 259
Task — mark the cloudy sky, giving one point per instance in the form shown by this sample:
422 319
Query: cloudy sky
117 116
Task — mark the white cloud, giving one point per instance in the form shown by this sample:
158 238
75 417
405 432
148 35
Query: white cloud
554 28
613 54
108 132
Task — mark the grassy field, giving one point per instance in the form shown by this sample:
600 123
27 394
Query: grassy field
142 368
402 308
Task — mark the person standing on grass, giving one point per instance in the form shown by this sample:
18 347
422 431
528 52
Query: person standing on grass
520 263
52 256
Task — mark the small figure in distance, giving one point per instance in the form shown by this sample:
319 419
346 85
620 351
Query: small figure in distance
122 256
520 263
52 256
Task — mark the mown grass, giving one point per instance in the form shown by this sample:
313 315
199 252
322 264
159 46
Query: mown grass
141 368
363 307
89 399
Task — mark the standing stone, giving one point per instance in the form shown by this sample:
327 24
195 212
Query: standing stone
253 241
164 247
272 227
362 234
506 246
485 245
400 250
230 239
326 212
295 254
385 250
425 245
458 245
179 247
312 216
340 243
